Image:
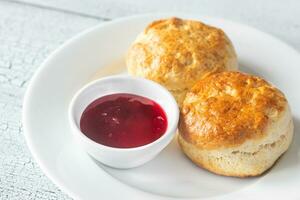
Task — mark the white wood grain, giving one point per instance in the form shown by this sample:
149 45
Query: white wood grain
278 17
27 36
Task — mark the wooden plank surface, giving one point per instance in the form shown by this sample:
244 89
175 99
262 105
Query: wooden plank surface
31 29
278 17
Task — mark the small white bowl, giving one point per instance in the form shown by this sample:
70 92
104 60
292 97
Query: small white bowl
123 157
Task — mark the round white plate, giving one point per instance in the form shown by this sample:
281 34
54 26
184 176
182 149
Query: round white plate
99 52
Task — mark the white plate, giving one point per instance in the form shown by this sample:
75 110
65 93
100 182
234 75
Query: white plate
99 52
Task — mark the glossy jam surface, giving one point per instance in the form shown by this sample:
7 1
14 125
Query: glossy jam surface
123 121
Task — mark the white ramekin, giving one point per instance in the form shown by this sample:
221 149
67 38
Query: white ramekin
123 157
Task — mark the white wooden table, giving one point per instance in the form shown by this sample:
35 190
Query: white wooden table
31 29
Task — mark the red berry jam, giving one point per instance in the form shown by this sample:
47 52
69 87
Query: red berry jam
123 121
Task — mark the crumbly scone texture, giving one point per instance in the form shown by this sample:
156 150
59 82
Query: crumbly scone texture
238 161
177 53
235 124
228 108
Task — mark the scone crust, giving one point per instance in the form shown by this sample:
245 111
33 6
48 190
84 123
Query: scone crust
176 53
226 109
238 162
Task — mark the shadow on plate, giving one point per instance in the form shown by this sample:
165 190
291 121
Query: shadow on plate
289 162
248 69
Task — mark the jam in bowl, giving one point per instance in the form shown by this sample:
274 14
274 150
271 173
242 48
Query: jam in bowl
123 121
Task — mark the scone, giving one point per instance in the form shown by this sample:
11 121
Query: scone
235 124
177 53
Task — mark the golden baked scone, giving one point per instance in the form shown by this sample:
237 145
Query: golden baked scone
176 53
235 124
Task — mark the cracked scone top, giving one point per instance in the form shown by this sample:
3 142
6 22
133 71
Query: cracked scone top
228 108
235 124
176 53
